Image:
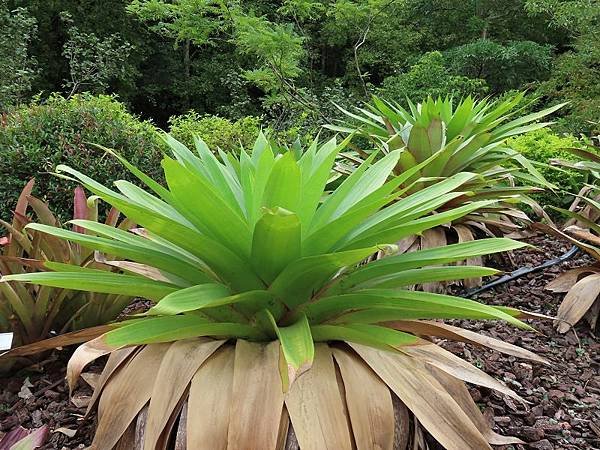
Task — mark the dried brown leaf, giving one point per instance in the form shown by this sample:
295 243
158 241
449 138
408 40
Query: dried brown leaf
257 396
577 301
440 329
369 403
567 280
209 402
126 393
421 393
316 407
178 366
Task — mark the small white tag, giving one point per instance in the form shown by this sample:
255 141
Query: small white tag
5 341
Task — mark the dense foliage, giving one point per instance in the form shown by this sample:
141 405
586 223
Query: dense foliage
35 138
542 146
282 59
216 132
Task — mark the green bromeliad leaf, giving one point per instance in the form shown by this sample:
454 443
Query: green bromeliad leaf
374 305
277 228
173 328
98 281
297 347
360 333
467 136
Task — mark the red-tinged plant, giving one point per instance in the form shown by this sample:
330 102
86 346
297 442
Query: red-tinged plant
33 313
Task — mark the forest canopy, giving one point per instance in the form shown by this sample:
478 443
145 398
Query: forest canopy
289 61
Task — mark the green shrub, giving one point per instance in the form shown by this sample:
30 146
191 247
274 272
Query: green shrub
216 131
430 77
35 138
543 145
502 66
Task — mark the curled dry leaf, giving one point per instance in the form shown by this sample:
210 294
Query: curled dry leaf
66 431
425 397
567 280
448 362
443 330
578 300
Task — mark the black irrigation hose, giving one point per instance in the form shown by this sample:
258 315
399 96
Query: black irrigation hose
522 271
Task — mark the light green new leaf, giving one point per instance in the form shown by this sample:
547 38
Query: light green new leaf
297 348
360 333
276 242
284 185
373 305
192 298
174 328
301 278
431 256
427 275
198 201
98 281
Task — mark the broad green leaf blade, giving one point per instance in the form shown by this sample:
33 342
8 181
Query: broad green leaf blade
143 251
379 305
275 243
299 280
98 281
297 348
153 185
315 176
202 205
230 267
395 214
427 275
186 300
189 299
321 240
502 130
225 180
172 328
284 185
396 233
332 202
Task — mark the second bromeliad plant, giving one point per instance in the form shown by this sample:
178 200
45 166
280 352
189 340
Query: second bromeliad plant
265 315
466 136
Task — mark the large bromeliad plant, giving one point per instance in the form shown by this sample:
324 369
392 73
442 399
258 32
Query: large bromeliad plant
266 318
465 136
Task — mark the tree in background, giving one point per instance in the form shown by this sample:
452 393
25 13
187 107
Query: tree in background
576 73
17 68
502 66
93 61
287 60
430 77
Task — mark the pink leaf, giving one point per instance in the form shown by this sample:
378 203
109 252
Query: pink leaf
23 439
80 208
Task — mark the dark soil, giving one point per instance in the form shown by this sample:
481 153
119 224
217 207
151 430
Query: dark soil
564 410
39 396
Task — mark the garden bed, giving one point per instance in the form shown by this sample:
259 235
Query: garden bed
564 396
